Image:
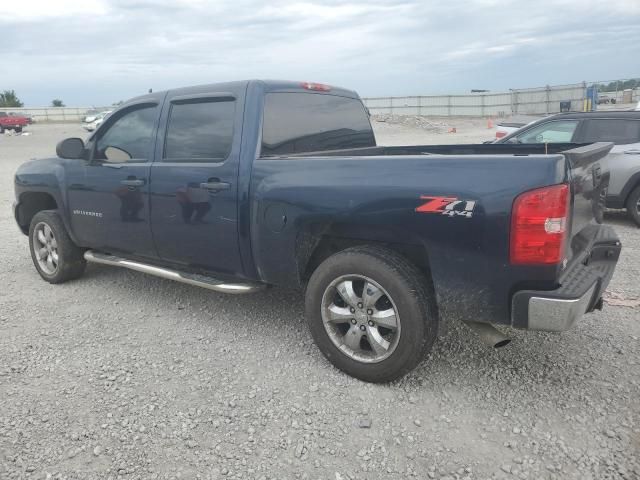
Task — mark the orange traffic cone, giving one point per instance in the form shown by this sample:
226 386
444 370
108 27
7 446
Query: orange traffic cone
489 123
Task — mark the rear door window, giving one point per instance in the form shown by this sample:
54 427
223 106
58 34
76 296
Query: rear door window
619 131
199 131
551 132
308 122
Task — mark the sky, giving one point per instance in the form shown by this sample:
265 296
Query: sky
96 52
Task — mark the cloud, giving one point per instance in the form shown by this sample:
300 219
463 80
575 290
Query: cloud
99 51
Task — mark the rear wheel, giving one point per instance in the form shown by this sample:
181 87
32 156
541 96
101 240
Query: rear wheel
371 313
55 256
633 205
18 129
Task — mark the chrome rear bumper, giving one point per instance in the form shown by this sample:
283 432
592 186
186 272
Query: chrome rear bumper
556 314
580 290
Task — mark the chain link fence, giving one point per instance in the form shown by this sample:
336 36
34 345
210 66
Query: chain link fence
56 114
526 101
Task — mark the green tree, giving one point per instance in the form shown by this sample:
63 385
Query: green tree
57 103
8 98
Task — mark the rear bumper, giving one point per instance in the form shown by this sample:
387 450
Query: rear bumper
580 291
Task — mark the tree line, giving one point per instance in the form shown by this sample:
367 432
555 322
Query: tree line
9 99
618 85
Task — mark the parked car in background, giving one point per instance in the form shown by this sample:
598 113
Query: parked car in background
90 116
12 122
623 162
507 127
96 122
606 99
241 185
19 114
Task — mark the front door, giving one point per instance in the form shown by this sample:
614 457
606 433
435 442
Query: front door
193 195
108 196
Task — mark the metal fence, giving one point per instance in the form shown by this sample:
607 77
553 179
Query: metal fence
55 114
526 101
529 101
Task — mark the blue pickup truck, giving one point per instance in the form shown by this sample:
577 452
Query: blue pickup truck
238 186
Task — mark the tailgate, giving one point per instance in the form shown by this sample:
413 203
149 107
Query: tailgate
588 188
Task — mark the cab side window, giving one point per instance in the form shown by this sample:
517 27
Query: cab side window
621 132
200 131
551 132
129 138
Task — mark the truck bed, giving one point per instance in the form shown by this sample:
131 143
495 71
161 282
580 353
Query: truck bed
372 193
574 150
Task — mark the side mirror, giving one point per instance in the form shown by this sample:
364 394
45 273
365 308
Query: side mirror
71 148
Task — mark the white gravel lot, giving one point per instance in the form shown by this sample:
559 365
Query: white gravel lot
122 375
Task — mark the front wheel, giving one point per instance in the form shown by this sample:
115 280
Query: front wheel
55 256
633 205
371 312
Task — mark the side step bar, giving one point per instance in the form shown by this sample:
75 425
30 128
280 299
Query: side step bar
183 277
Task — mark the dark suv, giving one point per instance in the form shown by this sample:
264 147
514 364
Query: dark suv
623 162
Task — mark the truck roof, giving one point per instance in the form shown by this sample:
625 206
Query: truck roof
267 85
597 114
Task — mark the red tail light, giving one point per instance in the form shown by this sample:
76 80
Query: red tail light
500 134
318 87
539 225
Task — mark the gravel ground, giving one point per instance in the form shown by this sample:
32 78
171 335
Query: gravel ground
122 375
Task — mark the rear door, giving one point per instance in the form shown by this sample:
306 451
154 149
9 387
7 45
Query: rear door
624 159
194 183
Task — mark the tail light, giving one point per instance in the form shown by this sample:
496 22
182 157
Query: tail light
500 133
539 225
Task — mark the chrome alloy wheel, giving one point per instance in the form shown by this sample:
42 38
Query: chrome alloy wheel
45 247
361 318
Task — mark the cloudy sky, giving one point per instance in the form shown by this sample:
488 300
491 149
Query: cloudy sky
95 52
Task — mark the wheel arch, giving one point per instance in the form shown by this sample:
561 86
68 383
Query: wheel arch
630 186
31 203
316 245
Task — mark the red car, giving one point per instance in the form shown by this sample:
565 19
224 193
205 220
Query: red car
12 122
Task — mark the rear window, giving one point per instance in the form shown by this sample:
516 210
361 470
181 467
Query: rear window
618 131
307 122
199 131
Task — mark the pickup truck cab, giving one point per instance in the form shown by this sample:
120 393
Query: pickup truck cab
238 186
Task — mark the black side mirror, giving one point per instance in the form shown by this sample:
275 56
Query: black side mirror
71 148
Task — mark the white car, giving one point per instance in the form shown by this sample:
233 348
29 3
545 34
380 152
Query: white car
506 128
91 122
638 107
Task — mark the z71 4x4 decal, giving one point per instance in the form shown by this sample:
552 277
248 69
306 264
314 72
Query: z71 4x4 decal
451 206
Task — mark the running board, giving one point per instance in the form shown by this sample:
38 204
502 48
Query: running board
183 277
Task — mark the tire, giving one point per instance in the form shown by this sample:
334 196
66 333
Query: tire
1 129
48 235
18 129
397 288
633 205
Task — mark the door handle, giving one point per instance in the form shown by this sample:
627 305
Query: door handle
132 182
215 185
